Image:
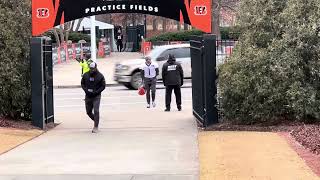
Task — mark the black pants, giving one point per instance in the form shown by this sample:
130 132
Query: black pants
177 92
92 108
150 84
119 46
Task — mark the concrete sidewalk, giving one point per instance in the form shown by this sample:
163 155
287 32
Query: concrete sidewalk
134 143
69 74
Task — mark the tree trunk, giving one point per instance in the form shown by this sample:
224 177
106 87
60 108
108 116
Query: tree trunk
109 17
125 21
67 36
68 29
133 19
56 35
154 24
164 24
61 29
185 27
178 26
216 9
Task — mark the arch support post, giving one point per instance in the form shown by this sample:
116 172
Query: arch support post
93 39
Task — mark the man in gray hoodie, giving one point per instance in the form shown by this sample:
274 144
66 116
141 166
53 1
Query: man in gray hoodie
149 73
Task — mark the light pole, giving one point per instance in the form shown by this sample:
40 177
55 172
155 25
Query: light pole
145 26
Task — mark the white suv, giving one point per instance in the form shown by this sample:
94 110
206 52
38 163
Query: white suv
128 72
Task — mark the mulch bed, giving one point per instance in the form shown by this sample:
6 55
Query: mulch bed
311 159
7 123
284 127
308 136
304 139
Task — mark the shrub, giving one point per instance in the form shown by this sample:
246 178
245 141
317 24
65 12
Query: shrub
76 37
175 36
15 34
230 32
273 73
226 33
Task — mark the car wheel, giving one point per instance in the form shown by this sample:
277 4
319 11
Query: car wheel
128 85
136 80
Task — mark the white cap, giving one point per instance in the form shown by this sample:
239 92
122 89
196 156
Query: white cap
93 65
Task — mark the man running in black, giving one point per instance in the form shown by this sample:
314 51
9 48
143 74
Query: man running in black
93 83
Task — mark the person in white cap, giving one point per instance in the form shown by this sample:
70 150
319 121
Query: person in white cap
93 83
149 73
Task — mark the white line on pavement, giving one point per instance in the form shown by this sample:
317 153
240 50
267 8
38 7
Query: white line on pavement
118 97
110 104
106 97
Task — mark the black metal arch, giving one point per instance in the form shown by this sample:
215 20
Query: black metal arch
165 8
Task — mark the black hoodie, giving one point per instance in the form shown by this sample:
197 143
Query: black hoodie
93 84
172 73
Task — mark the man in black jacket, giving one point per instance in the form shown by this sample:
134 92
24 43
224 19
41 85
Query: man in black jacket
93 83
172 75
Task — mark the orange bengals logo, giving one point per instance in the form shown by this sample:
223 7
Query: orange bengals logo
200 10
43 13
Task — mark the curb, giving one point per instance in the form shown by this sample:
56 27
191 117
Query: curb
107 85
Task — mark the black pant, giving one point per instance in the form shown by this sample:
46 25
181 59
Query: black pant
177 92
93 104
119 46
150 84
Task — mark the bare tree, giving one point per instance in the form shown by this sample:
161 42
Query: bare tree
217 7
154 23
178 26
185 26
164 24
68 28
56 35
61 33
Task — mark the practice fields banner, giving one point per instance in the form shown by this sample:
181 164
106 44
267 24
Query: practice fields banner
47 14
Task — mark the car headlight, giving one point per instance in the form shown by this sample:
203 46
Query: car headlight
122 67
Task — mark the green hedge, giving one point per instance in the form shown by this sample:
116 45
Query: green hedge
226 33
273 74
76 37
15 34
175 36
230 32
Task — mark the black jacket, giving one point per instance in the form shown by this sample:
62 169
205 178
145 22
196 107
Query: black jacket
93 85
172 73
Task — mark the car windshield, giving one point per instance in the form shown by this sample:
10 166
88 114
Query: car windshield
153 54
